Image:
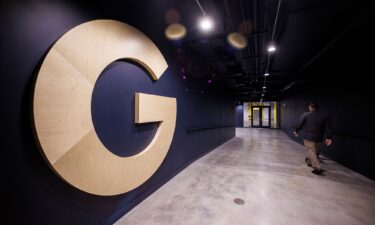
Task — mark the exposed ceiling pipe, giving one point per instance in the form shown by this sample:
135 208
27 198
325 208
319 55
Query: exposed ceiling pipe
291 85
228 13
200 6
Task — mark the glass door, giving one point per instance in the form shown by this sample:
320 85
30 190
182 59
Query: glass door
255 119
260 116
265 122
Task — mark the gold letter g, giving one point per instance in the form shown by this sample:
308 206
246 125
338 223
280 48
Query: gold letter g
62 108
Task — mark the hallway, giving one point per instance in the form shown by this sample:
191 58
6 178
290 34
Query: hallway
265 172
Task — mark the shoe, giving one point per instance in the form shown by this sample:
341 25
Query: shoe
308 162
317 171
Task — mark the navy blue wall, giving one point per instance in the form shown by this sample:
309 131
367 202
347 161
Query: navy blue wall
31 192
239 115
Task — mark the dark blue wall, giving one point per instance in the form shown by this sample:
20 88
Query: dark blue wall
31 192
340 80
239 115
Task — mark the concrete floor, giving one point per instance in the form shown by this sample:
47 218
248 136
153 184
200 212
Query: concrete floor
266 170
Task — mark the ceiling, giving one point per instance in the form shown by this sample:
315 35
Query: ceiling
303 31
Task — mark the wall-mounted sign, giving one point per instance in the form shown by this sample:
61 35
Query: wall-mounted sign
62 108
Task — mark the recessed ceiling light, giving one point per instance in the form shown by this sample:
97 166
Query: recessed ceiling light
206 23
271 48
266 74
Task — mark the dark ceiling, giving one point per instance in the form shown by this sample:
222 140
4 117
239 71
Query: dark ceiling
304 30
305 33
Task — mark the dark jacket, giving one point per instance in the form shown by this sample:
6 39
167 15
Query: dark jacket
314 125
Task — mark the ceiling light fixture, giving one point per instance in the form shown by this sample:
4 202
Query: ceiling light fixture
271 48
175 31
206 23
237 40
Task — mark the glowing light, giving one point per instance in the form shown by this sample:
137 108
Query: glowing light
266 74
271 48
237 40
206 24
175 31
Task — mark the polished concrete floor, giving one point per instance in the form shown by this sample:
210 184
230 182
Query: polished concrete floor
258 177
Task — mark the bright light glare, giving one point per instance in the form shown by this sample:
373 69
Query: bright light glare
266 74
271 48
206 24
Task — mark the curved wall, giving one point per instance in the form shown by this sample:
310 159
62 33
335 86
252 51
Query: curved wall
32 193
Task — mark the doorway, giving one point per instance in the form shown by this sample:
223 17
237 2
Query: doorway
260 116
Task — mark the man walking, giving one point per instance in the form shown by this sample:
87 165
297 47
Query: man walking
314 125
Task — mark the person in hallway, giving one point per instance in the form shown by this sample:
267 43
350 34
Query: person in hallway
314 124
